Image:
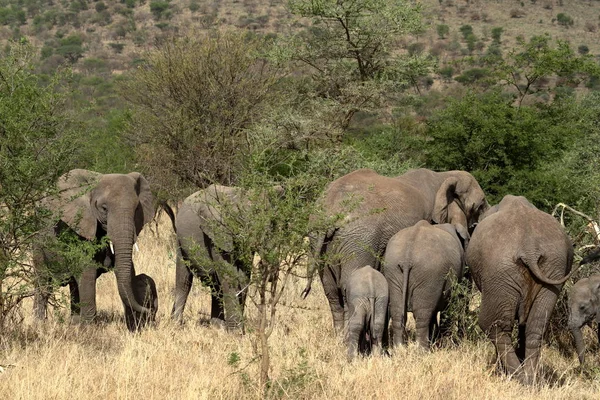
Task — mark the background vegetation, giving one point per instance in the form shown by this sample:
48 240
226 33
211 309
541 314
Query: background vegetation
297 94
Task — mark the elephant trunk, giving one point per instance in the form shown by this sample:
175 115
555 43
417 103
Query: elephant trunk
578 336
121 231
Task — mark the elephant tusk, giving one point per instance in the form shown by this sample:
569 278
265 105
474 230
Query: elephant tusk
135 246
112 249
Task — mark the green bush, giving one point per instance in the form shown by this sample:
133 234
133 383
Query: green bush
473 75
497 33
446 73
583 49
564 20
466 30
443 31
158 8
100 6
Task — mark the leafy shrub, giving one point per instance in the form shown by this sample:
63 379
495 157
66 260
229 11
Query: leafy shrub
583 49
158 8
564 20
446 73
473 75
71 48
466 30
442 31
117 47
497 33
415 48
100 6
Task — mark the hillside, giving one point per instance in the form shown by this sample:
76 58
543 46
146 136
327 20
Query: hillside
111 36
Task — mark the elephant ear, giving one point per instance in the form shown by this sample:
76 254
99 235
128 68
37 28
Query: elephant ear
443 198
73 202
490 211
145 213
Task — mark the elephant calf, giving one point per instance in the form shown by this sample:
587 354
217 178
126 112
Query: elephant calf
584 307
144 290
417 265
367 299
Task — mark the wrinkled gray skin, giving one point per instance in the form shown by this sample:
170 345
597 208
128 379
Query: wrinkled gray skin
93 206
367 296
584 307
144 290
375 208
519 258
206 250
418 264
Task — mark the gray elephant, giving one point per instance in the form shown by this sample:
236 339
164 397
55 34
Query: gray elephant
519 258
93 206
208 250
144 289
584 307
418 264
367 295
373 209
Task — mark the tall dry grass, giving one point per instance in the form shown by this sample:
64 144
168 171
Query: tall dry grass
56 360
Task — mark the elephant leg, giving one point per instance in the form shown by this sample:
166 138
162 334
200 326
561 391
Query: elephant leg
521 343
537 320
75 301
355 328
87 294
335 298
40 299
378 326
496 320
183 285
398 319
424 321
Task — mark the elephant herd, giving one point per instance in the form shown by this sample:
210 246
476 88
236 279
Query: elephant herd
393 245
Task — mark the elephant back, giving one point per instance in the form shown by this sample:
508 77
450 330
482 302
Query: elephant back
204 209
426 246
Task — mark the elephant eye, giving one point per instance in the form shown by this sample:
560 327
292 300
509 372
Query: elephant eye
104 207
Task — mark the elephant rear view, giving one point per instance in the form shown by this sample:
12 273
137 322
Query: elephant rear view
367 294
519 257
584 307
418 265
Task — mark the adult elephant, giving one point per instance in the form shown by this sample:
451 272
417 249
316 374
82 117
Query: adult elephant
519 258
93 205
208 250
373 208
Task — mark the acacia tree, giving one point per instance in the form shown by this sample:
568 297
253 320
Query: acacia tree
536 61
37 144
351 51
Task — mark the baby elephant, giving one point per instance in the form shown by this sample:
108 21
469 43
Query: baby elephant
418 263
144 290
584 307
367 300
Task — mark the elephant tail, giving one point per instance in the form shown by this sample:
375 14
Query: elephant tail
593 256
404 304
371 317
169 211
534 267
318 248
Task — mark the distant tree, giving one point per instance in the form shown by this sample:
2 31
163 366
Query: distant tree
537 59
194 100
497 33
466 31
564 20
348 51
442 31
71 48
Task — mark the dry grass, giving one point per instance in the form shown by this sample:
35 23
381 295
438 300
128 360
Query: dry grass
103 361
